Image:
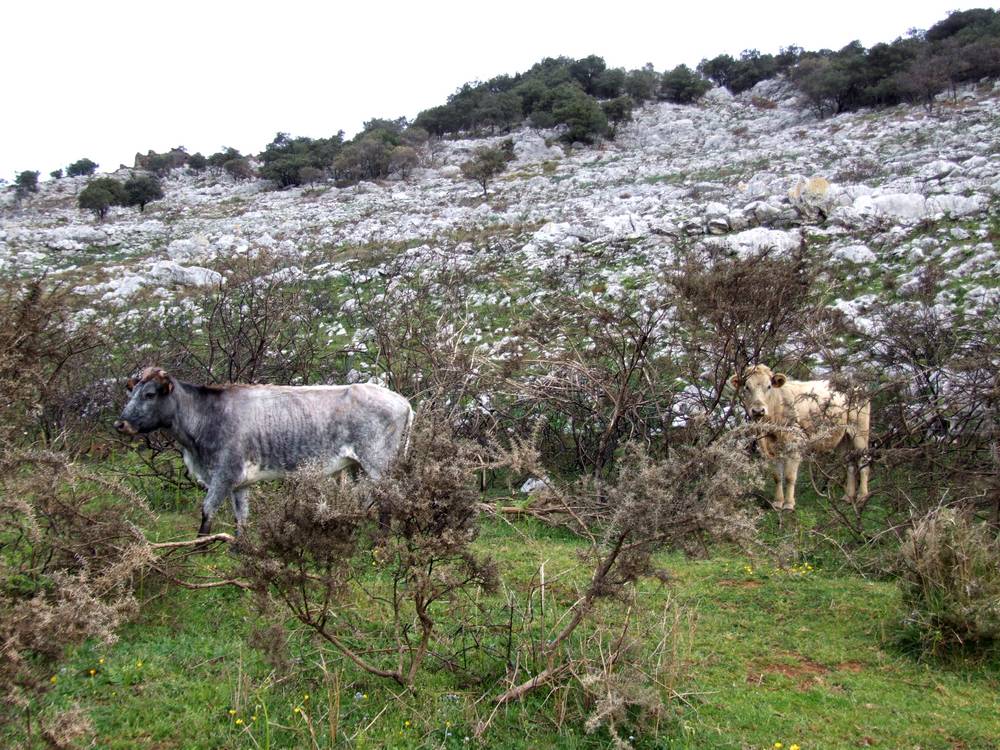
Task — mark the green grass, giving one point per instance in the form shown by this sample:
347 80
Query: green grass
801 656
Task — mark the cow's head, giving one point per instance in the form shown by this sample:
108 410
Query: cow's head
150 406
753 388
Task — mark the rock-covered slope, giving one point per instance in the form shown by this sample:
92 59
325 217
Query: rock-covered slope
881 193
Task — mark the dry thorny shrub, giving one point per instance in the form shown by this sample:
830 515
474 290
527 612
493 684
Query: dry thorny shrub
367 579
624 679
41 349
591 373
931 376
949 576
69 547
694 496
733 312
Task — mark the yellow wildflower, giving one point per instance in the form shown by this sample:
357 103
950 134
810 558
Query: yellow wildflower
406 723
232 712
239 721
101 660
93 672
305 697
53 679
778 746
794 747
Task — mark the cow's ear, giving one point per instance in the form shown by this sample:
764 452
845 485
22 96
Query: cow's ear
168 383
130 384
735 382
779 379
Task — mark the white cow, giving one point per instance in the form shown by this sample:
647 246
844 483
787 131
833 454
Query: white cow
813 416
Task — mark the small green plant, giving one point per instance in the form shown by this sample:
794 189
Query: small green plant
950 582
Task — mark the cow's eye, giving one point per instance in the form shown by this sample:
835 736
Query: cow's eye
149 394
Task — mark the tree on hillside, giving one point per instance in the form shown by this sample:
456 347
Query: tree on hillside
81 168
197 162
617 111
641 84
485 164
587 71
239 169
923 79
141 190
581 114
219 158
25 182
501 110
310 175
160 164
683 86
402 160
719 69
100 195
56 174
822 84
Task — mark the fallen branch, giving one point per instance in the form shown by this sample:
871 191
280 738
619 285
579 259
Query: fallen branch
210 539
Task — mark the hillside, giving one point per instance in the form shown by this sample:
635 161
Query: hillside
519 314
729 172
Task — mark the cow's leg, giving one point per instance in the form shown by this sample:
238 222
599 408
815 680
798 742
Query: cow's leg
218 491
241 508
860 449
851 489
778 469
791 475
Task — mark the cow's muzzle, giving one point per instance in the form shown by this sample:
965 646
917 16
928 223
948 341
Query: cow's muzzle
758 414
123 426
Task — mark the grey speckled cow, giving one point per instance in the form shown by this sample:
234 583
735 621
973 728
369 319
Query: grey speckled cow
234 435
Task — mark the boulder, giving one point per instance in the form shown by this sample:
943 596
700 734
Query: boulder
169 272
753 241
531 147
855 254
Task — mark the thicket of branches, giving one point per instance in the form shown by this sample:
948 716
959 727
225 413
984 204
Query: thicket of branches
619 407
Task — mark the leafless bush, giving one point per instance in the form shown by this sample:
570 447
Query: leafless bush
257 326
950 581
40 352
373 584
69 554
694 496
933 376
626 682
589 373
739 311
69 548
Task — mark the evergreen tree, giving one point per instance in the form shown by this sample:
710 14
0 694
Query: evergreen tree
81 168
141 190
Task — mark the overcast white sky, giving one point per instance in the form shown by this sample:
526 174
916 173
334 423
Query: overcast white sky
106 78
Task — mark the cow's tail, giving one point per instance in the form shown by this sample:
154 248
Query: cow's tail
409 432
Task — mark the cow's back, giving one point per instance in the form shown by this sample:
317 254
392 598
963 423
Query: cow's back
816 408
284 427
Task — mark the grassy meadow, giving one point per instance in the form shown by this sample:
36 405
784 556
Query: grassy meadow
746 653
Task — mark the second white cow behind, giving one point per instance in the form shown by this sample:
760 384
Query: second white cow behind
809 416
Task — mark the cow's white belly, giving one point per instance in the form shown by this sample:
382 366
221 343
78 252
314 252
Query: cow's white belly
253 472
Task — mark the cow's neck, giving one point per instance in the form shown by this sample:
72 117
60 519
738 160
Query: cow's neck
189 417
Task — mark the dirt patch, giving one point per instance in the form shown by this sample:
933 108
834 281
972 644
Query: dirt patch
801 669
850 666
741 583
